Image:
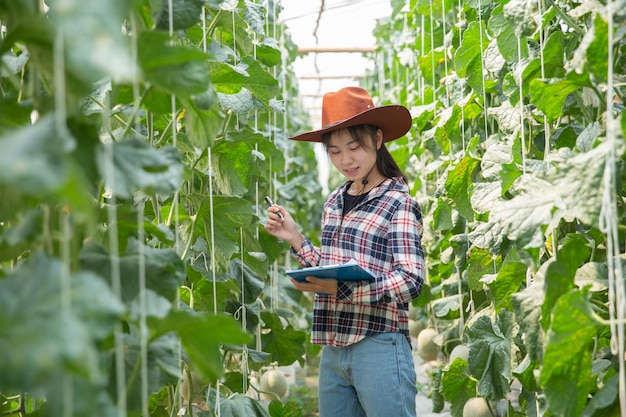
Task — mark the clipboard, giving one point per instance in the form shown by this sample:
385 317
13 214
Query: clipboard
349 271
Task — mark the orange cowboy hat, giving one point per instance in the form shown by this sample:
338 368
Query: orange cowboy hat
353 106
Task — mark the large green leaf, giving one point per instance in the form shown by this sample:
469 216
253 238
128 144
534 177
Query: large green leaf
489 345
458 186
134 165
95 47
468 58
185 13
202 336
285 343
223 215
178 70
248 74
596 54
457 385
163 268
34 158
242 158
50 321
566 372
549 95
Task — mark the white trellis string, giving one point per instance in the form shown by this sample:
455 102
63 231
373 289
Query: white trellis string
422 46
432 49
521 102
143 326
116 282
170 5
213 273
617 293
445 50
66 305
244 321
546 125
482 66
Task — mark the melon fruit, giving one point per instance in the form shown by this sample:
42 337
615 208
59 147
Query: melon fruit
459 351
476 407
273 381
427 349
415 327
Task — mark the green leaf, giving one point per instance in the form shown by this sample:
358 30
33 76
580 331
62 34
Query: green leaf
468 57
227 215
442 215
289 409
202 336
138 166
185 13
178 70
50 321
96 48
286 344
164 271
248 74
549 95
596 54
457 385
239 405
34 158
490 354
511 277
458 183
242 158
551 59
480 262
202 126
528 305
506 38
566 373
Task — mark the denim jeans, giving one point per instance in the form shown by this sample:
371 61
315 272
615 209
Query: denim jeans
372 378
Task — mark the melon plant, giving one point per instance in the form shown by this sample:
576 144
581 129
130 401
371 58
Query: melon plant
520 176
136 148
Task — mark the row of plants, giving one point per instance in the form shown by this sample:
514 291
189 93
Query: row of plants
138 140
517 157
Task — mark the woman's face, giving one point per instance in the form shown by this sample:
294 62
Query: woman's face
354 160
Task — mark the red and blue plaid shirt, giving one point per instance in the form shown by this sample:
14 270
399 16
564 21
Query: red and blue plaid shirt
383 234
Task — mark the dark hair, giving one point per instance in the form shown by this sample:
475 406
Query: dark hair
365 135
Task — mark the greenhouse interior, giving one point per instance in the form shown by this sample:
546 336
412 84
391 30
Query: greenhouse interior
140 274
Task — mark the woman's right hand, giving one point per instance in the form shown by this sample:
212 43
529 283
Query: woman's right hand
283 226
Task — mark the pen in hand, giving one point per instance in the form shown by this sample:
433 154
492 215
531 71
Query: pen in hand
270 203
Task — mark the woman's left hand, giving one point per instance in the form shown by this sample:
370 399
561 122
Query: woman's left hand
313 284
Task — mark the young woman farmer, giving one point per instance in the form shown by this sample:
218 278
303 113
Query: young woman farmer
366 366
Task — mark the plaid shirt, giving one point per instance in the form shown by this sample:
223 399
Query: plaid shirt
383 234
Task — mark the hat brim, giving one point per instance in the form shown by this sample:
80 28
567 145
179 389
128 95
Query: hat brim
395 121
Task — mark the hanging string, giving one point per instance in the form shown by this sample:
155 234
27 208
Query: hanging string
609 225
143 326
445 51
521 103
423 48
546 125
213 266
482 66
244 322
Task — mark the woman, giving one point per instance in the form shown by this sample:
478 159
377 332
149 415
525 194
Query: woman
366 366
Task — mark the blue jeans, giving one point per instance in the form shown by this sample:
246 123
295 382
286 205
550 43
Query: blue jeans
372 378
